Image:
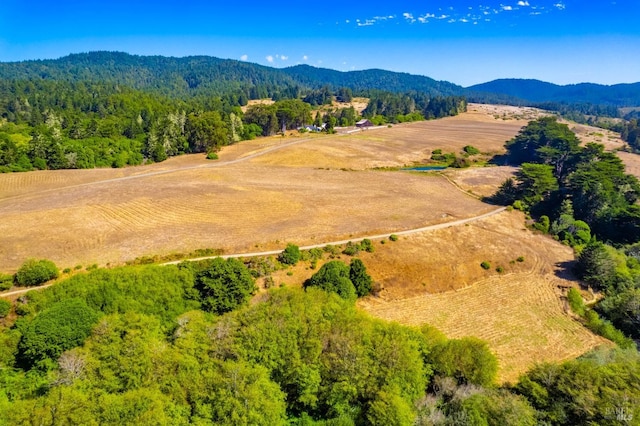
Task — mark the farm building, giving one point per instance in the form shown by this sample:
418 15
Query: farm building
364 123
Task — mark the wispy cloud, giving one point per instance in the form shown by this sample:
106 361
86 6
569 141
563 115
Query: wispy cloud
244 57
269 59
479 13
305 58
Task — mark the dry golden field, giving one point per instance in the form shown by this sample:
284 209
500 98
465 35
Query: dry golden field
310 189
519 312
631 162
260 193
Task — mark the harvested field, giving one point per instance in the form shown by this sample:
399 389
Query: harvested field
587 134
518 312
401 144
233 208
260 192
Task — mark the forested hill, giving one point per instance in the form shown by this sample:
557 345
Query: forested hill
174 77
205 75
209 76
372 79
524 90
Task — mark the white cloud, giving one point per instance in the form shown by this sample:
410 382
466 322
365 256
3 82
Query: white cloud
408 16
284 58
269 58
366 23
523 3
560 6
244 57
347 21
507 8
305 58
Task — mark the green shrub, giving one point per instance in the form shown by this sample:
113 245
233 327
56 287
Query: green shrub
519 205
212 156
63 326
471 150
6 281
520 259
575 302
606 329
35 272
290 255
367 245
485 265
499 269
224 285
5 308
543 224
468 360
351 249
334 277
393 237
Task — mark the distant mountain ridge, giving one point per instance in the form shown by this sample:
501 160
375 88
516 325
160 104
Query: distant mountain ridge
207 75
539 91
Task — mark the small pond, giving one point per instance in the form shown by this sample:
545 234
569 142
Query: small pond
425 168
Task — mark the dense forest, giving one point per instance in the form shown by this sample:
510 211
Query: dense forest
209 76
181 345
106 109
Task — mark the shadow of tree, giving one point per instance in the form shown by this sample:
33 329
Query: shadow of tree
564 270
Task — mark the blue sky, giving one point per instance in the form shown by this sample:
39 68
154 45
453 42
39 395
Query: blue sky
465 42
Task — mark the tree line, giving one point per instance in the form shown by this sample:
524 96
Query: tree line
411 106
60 125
